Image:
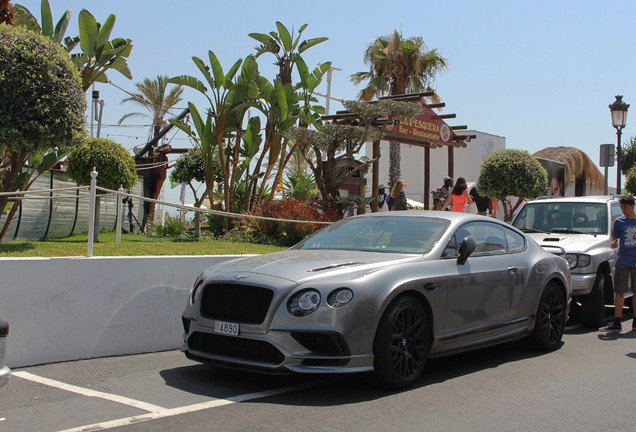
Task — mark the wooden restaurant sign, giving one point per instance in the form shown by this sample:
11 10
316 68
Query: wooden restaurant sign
426 128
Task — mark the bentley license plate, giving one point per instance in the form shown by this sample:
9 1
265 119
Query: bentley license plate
226 328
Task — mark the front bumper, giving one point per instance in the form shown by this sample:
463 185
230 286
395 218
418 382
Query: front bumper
582 284
275 352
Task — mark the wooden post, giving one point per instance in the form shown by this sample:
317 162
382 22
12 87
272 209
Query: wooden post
91 212
427 177
375 177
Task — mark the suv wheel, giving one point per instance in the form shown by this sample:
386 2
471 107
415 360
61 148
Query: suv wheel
593 304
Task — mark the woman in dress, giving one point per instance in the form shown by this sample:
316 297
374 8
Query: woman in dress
459 197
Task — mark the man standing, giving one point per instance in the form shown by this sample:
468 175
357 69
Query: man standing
623 236
440 195
382 205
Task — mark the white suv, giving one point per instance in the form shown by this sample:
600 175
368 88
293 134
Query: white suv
579 229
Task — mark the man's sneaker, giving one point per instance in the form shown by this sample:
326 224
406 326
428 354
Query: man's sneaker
613 326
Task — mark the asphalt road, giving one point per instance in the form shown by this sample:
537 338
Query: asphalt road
587 385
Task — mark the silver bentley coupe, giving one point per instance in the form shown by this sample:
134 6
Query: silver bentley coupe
379 293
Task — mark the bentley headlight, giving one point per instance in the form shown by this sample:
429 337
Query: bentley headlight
578 260
339 297
304 303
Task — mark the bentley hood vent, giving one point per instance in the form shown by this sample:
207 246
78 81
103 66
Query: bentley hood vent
333 266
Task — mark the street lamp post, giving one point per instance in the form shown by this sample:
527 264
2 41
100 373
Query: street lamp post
619 116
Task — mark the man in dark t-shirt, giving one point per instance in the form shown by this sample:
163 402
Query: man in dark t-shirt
480 201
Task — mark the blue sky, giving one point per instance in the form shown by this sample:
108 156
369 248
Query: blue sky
540 73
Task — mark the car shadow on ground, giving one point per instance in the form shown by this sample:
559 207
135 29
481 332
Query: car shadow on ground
216 382
337 389
574 326
612 336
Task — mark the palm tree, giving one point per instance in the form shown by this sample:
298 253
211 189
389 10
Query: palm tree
298 161
398 66
152 96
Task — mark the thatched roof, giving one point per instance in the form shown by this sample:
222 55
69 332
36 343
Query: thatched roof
577 164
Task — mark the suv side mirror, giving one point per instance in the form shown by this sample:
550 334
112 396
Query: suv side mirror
465 249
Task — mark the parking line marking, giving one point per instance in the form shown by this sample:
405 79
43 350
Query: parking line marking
185 409
88 392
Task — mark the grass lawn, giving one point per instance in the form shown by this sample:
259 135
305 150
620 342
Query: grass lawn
130 245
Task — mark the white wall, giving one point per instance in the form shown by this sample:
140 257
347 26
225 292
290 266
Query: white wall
62 309
467 162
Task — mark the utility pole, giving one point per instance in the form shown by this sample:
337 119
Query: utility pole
95 97
328 96
99 120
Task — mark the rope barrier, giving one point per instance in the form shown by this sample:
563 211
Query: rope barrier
36 191
151 165
109 192
55 197
214 212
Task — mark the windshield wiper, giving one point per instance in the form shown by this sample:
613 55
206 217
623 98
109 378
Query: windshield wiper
530 230
567 231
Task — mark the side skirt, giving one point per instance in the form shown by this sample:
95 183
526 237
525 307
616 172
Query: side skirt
482 337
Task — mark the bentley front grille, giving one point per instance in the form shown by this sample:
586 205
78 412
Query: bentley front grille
244 304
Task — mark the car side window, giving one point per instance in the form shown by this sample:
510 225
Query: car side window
616 211
489 237
516 242
452 248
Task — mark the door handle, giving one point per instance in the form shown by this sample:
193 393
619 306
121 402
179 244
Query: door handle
431 286
513 269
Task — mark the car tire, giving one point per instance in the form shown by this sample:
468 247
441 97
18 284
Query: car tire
401 344
549 323
593 304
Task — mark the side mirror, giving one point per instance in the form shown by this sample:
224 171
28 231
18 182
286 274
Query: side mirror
465 249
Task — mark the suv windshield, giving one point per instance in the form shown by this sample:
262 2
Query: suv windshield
546 216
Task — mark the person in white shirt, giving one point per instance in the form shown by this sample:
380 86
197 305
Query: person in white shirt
382 205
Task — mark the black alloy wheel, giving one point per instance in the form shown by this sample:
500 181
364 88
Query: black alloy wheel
401 344
550 320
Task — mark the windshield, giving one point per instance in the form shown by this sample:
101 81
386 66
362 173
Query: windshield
577 217
379 234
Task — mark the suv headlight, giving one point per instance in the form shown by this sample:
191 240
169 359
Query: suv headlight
578 260
304 303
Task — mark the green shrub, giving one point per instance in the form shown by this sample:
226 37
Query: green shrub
630 181
115 166
172 227
301 186
41 98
